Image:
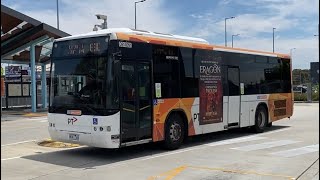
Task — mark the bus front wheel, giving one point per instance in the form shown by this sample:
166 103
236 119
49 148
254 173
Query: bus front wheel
174 132
261 119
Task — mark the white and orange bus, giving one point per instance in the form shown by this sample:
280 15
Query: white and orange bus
120 87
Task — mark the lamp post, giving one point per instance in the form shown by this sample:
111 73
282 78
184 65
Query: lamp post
225 29
291 52
135 12
317 35
232 37
57 14
273 39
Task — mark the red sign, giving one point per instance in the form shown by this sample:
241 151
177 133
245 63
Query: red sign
210 86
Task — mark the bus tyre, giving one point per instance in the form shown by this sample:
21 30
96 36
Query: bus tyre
261 119
174 132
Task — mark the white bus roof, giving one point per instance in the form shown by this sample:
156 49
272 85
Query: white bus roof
104 32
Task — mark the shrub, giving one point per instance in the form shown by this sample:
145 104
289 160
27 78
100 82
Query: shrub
300 96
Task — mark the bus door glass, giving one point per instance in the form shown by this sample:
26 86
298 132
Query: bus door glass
234 96
136 101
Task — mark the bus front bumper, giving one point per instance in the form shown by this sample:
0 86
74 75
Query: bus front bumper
95 139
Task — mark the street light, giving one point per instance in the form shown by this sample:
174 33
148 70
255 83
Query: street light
233 36
225 29
273 39
291 51
57 14
135 12
317 35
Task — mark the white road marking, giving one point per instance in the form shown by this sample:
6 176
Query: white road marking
11 158
17 143
265 145
236 140
169 153
36 119
297 151
275 131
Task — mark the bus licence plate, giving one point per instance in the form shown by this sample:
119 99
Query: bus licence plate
74 137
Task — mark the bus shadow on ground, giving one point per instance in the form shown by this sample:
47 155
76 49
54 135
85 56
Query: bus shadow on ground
90 157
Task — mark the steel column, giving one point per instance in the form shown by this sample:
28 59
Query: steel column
43 86
33 78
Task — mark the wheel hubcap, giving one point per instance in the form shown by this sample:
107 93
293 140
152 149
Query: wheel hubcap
261 119
175 131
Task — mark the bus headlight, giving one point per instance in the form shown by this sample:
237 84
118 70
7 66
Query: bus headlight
109 128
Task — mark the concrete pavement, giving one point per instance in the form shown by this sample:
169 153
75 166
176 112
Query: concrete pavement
287 150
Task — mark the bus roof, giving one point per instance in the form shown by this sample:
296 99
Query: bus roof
166 39
129 31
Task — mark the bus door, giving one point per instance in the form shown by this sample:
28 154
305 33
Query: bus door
136 103
234 96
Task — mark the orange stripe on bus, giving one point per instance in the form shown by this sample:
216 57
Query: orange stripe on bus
181 43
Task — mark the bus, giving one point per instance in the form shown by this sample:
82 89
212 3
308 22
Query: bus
120 87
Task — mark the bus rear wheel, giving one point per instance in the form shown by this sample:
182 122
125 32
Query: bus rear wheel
174 132
261 119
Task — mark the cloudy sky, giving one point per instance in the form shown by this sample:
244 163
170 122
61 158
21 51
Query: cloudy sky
296 21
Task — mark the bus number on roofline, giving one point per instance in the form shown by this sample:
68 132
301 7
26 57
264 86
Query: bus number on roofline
125 44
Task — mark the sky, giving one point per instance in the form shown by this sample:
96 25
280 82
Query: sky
296 21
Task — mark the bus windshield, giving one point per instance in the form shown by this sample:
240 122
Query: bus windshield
83 83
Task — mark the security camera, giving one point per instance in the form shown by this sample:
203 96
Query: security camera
100 16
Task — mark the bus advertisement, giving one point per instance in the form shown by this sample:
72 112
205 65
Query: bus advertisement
120 87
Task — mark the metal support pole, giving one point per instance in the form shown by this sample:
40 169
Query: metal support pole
135 15
273 39
57 14
43 86
33 79
135 12
225 32
232 40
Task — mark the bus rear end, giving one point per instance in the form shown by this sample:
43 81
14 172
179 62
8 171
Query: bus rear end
83 96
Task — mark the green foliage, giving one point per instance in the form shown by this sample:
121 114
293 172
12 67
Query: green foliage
304 96
2 71
300 97
315 96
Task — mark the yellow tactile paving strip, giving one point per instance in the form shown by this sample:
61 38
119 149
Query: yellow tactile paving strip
56 144
171 174
34 114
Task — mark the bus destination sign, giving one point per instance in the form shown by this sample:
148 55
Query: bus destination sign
81 47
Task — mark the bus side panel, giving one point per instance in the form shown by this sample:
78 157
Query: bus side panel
280 106
162 108
248 107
